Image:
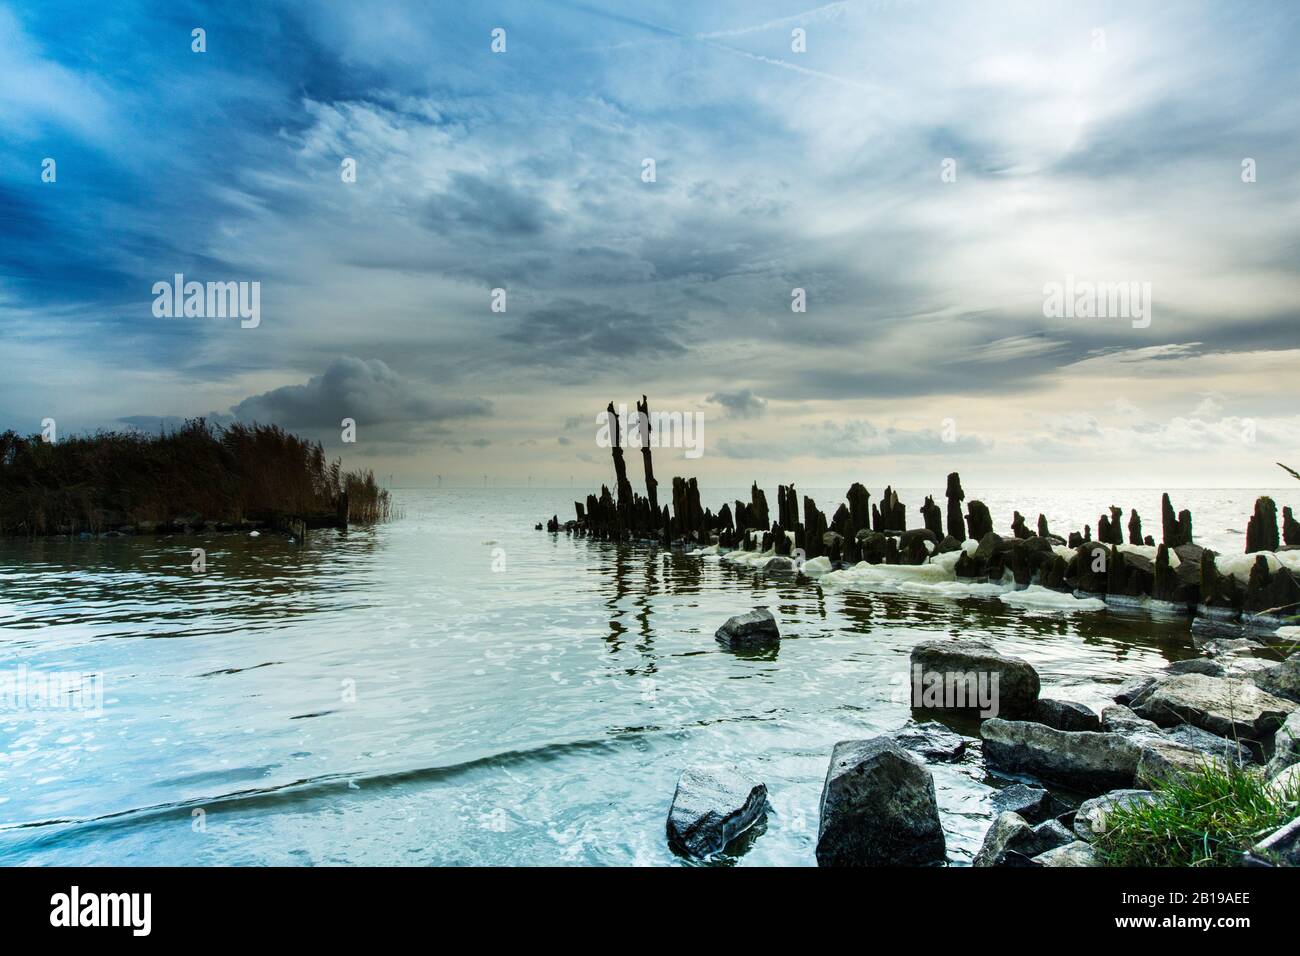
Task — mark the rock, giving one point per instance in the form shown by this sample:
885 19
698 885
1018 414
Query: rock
1034 804
755 629
711 807
1280 680
968 674
1066 715
1090 820
1282 846
1209 743
1214 647
778 564
931 740
1077 853
1225 706
1164 761
1118 719
1011 834
1082 760
878 808
1135 690
1286 745
1287 783
1196 665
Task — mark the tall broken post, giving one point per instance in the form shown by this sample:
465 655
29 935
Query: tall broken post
623 486
643 429
956 526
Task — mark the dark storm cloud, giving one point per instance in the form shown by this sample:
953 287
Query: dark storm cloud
494 206
739 404
573 331
368 391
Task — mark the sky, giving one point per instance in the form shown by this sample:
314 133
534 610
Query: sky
922 171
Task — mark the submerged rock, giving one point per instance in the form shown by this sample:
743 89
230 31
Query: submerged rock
1225 706
1034 804
1066 715
1083 760
968 674
878 808
931 740
711 807
1090 820
755 629
1011 840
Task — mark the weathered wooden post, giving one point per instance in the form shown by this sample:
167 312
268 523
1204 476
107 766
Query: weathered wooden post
622 485
643 429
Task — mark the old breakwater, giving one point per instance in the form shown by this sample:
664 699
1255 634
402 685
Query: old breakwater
1118 564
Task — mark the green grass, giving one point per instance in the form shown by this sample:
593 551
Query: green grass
1207 817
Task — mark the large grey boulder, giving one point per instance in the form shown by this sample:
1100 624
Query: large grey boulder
878 808
1280 680
1090 820
711 807
1118 719
931 740
1085 761
1134 690
1221 747
968 674
753 630
1011 840
1224 706
1066 715
1034 804
1286 745
1164 761
1077 853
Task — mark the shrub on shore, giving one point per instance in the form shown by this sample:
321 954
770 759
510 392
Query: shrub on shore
225 474
1207 817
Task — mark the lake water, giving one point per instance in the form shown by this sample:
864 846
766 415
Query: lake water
457 688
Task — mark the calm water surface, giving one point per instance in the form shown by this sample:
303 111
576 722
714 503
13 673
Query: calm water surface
456 688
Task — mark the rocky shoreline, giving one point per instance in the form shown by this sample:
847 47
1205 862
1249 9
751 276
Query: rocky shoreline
1065 767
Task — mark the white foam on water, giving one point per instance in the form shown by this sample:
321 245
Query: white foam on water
749 559
1041 598
935 578
1239 565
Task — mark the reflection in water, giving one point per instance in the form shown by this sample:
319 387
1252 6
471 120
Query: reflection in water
385 696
